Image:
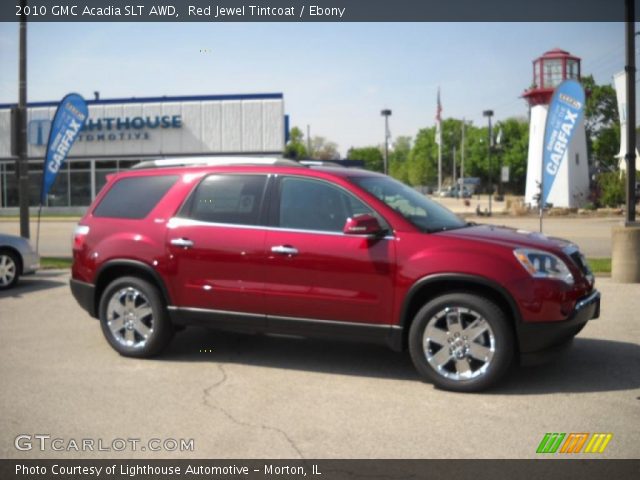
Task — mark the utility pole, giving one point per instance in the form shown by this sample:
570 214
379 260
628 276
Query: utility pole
309 140
489 114
453 166
22 167
630 69
386 113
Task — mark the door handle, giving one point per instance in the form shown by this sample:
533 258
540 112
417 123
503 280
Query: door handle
182 242
285 250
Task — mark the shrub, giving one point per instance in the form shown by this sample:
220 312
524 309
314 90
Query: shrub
612 189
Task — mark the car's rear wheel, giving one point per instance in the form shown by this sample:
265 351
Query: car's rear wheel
461 342
134 319
9 269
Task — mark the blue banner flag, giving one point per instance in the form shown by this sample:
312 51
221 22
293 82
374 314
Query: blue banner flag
67 123
563 118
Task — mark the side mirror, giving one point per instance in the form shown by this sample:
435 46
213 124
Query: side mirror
364 224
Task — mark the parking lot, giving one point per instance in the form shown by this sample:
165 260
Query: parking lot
240 396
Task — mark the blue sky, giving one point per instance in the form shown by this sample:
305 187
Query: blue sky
334 76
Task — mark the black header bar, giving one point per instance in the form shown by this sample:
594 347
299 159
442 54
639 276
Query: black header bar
316 10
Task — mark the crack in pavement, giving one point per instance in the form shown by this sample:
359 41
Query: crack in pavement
205 401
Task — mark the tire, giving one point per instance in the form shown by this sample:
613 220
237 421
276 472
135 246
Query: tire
443 352
10 263
134 318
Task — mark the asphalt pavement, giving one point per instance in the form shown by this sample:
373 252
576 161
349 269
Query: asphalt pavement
242 396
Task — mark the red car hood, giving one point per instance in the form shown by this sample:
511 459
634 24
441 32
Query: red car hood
509 237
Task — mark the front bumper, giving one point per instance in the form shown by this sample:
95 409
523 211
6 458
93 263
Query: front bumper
535 339
84 293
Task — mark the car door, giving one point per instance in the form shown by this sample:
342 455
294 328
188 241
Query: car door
315 270
216 245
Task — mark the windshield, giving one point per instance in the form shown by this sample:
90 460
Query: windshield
425 214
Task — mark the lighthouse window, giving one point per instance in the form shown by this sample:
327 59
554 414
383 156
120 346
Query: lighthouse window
572 69
552 72
537 81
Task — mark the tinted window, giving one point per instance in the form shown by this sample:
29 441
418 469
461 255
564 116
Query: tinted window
312 205
425 214
235 199
134 197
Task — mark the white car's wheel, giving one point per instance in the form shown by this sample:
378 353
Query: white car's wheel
9 269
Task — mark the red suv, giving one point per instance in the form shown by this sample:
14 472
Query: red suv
331 252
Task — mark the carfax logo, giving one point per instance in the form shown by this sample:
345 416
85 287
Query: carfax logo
573 442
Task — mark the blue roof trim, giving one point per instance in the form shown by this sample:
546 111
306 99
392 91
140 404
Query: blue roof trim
186 98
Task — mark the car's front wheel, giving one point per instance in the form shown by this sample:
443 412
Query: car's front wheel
134 319
9 269
461 342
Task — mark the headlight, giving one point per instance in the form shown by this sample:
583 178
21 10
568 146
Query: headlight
541 264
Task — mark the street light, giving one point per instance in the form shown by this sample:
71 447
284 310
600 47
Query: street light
386 113
489 114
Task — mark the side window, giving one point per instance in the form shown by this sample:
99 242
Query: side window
134 197
234 199
307 204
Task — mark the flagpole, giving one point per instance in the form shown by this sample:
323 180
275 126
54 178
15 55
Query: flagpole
440 165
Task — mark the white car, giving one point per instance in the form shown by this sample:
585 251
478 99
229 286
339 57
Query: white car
17 257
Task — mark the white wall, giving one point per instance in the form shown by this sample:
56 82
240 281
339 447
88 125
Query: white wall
208 127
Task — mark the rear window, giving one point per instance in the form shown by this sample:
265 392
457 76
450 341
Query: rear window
134 197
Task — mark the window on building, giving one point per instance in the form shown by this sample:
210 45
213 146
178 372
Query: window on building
572 69
552 70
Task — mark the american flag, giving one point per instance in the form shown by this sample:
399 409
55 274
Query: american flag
438 121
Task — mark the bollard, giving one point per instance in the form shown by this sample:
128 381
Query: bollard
625 254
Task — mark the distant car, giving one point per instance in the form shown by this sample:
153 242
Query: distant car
17 258
454 192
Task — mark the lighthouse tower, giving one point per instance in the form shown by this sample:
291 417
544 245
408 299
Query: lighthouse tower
571 186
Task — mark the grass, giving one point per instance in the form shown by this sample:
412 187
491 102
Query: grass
47 263
600 265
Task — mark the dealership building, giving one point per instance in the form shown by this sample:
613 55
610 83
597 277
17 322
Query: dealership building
122 132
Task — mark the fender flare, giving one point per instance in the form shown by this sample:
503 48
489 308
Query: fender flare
138 265
458 277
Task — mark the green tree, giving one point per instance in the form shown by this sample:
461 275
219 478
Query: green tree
295 148
323 149
399 159
606 146
372 157
612 189
513 152
601 121
422 164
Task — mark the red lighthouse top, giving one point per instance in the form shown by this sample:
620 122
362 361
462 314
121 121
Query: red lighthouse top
549 71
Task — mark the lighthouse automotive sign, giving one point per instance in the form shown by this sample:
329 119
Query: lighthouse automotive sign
565 114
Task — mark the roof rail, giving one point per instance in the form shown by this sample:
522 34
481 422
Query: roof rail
213 161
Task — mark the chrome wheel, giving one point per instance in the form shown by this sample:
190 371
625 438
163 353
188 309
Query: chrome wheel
8 270
130 318
458 343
